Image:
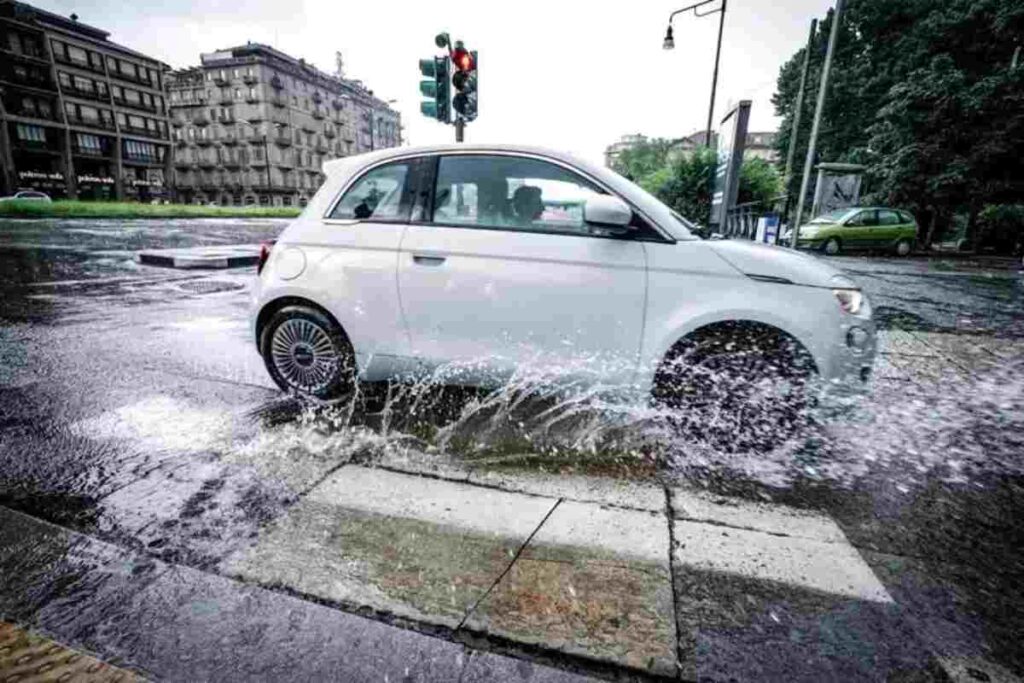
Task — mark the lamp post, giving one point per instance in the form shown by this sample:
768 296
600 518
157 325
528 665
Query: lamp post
670 44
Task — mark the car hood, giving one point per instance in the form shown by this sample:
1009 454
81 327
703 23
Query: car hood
776 263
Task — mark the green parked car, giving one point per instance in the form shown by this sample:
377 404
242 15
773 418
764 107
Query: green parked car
860 227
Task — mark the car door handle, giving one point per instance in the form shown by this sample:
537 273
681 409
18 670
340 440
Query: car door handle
427 260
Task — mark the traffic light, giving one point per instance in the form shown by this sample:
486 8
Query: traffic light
464 80
436 89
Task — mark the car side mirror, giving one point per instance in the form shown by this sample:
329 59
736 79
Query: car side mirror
607 211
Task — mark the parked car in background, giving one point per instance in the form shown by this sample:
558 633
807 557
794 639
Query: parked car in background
487 258
859 227
27 195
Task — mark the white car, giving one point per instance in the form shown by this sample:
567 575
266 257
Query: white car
29 195
487 258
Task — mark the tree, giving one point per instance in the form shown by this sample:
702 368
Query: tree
921 91
643 158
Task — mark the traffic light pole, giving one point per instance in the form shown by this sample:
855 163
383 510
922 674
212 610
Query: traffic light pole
460 127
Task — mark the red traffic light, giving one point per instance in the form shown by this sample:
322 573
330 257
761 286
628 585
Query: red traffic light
463 59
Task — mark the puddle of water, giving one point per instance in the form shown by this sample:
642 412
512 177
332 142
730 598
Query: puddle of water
162 423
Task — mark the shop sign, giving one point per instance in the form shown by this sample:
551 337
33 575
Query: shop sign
37 175
95 179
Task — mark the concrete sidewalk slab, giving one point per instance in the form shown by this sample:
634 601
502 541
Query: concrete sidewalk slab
780 520
591 489
594 582
212 258
411 546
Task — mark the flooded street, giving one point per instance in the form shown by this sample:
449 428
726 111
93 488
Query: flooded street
166 509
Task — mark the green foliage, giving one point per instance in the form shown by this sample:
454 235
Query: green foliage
79 209
683 181
922 92
1001 228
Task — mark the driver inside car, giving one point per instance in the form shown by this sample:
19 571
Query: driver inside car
527 205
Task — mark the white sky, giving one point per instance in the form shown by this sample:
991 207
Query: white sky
568 74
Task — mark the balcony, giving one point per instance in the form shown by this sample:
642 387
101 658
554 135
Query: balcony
78 150
30 57
33 113
250 79
321 147
181 142
329 132
91 123
201 119
226 117
319 113
283 140
228 139
177 121
64 59
231 161
207 161
276 83
85 94
204 142
338 104
308 127
278 101
221 80
133 104
139 130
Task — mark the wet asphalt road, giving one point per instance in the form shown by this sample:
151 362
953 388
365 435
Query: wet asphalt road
123 387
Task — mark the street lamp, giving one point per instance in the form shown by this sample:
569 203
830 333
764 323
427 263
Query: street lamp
670 44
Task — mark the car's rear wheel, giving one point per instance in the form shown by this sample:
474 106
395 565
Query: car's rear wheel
739 387
307 353
903 247
832 246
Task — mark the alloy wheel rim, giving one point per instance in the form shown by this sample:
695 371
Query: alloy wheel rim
832 247
304 355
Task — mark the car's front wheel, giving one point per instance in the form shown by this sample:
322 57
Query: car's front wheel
832 246
903 247
307 353
739 387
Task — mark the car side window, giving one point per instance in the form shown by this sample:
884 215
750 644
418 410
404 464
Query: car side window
888 218
906 217
379 195
511 193
862 219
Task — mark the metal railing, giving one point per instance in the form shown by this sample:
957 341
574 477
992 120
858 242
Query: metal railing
742 220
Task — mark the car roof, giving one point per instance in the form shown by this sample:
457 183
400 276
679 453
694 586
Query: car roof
415 150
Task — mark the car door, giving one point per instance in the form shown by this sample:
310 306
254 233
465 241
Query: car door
858 231
353 251
503 272
889 229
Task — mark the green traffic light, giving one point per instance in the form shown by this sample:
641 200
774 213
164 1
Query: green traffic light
428 67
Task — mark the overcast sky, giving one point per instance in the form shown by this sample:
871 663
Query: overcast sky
572 75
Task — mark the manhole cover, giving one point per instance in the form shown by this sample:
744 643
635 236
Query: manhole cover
209 286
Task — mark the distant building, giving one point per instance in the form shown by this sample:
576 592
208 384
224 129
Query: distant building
80 116
759 145
254 125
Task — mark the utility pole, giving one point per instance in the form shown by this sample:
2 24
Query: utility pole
798 109
1016 57
833 35
714 77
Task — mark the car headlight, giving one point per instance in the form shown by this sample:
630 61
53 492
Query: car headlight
850 300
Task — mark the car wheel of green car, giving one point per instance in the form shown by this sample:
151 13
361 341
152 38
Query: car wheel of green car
832 246
903 247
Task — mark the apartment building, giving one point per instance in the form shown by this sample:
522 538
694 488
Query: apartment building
80 115
252 125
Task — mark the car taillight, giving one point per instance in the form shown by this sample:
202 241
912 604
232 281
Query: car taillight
265 248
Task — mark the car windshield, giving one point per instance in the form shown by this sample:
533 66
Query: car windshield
830 217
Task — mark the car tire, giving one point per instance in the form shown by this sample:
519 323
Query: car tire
904 247
832 246
307 353
737 387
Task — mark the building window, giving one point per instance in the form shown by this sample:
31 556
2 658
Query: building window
78 55
140 151
89 143
252 93
31 133
238 93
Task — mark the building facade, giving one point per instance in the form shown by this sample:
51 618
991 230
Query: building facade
252 125
80 116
